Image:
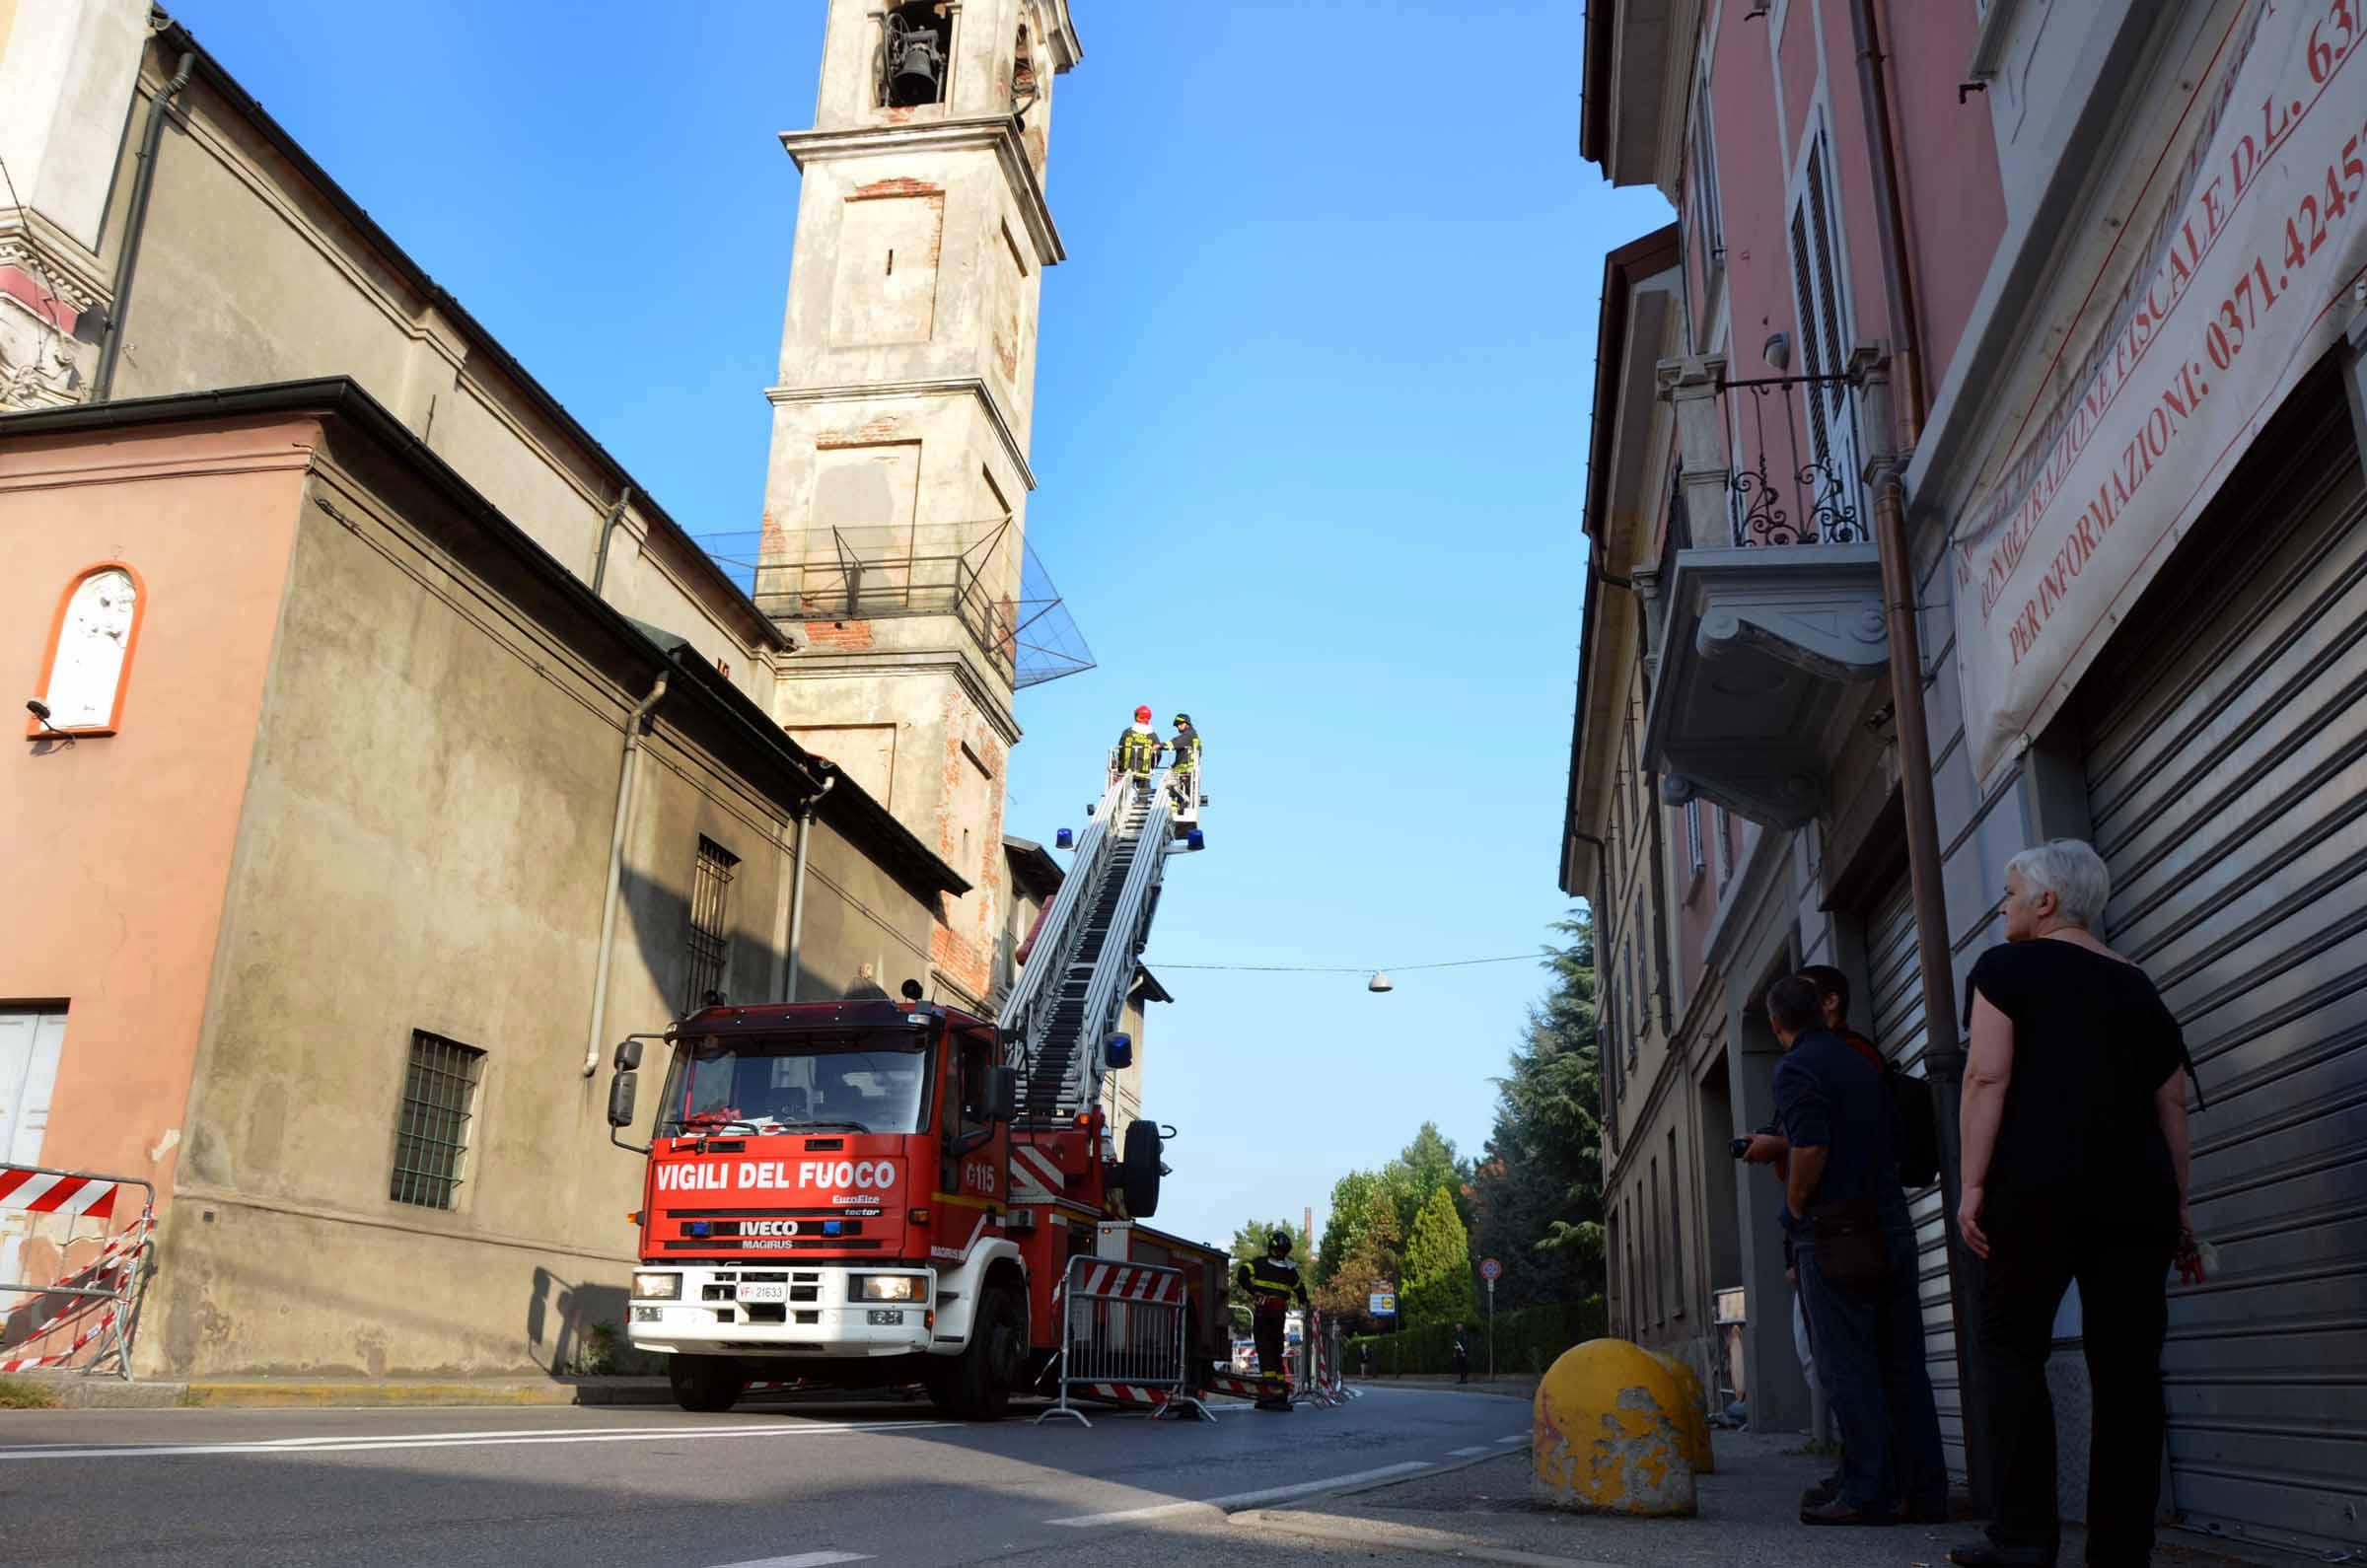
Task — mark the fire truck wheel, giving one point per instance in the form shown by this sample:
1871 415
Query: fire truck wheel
706 1383
977 1385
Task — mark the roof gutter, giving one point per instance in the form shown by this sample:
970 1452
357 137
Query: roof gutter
760 627
900 851
135 224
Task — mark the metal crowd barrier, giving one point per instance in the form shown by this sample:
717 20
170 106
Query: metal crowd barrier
1122 1339
95 1302
1316 1378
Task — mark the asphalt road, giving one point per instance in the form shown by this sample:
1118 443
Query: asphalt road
762 1487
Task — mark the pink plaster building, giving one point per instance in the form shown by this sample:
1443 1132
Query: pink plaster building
1993 476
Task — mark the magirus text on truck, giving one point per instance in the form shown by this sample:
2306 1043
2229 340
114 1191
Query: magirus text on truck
875 1191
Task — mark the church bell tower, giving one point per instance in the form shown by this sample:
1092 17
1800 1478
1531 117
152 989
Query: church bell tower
896 495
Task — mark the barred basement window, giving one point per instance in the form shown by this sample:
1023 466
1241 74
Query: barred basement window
710 939
439 1097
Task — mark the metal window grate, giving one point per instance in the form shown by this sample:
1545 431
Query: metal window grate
709 938
439 1097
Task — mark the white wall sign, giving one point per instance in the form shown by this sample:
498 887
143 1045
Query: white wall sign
2236 269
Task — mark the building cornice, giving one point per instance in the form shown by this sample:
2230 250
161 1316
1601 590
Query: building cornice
935 387
950 661
996 133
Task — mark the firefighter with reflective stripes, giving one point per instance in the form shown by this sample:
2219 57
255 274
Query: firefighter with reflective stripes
1272 1282
1186 749
1138 747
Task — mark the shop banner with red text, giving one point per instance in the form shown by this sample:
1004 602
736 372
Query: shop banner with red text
2236 268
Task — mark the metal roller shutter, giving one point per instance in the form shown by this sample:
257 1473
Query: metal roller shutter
1896 971
2226 756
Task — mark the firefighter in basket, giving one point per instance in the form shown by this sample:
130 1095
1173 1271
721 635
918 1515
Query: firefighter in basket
1184 783
1272 1282
1138 747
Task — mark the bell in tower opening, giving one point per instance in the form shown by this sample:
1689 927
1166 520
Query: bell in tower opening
912 53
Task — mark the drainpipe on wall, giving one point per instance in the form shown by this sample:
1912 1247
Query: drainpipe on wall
796 895
136 224
608 531
1943 1055
608 909
1898 275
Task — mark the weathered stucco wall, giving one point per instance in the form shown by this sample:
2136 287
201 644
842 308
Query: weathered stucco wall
119 847
424 848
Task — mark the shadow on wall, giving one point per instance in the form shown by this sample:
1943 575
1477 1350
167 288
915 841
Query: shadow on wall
654 922
579 1329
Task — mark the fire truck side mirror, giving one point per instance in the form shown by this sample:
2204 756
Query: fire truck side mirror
628 1056
621 1092
1002 1094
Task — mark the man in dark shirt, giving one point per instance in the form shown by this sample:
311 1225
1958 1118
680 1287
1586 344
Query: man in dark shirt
1854 1248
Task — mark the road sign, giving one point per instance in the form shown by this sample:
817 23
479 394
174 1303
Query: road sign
1384 1299
1491 1270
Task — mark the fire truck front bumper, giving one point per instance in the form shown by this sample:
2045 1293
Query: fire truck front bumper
822 1312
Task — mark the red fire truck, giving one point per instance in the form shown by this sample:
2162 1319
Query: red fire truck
877 1192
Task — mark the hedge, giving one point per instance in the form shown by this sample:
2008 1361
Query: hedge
1527 1341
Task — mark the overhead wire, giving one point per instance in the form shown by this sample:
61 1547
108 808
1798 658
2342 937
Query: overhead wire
1360 968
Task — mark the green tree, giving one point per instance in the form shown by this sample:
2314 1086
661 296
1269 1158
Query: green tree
1537 1190
1437 1288
1425 1166
1377 1257
1343 1223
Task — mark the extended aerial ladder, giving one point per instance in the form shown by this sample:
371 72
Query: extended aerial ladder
1072 992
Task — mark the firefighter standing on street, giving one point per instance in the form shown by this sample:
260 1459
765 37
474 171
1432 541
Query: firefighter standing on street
1272 1282
1138 747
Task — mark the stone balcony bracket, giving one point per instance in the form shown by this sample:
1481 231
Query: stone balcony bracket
1759 649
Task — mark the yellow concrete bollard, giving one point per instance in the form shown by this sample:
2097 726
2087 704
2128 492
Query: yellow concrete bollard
1610 1434
1696 1413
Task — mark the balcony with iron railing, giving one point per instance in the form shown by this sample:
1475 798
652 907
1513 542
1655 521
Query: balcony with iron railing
985 577
1765 615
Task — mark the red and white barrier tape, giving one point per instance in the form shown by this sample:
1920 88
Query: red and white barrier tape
28 1363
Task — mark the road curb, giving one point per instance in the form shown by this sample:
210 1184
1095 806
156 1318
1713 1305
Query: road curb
257 1393
1399 1538
78 1391
1504 1451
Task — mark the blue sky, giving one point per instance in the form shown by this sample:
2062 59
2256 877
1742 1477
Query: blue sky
1311 423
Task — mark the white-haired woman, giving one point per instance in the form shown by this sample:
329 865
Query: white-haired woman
2074 1126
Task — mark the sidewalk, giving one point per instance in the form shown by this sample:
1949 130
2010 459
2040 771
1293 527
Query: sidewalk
1516 1384
1482 1512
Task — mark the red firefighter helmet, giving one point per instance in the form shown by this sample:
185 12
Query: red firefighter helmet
1142 714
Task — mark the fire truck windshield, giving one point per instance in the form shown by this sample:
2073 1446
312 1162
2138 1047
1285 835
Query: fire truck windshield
869 1081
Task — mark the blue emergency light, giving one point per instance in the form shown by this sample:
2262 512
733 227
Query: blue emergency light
1196 840
833 1226
699 1228
1064 840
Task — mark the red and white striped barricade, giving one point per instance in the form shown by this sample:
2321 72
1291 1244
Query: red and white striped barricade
1123 1340
1316 1381
1337 1367
104 1255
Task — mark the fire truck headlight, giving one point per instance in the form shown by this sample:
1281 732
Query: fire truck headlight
890 1287
658 1286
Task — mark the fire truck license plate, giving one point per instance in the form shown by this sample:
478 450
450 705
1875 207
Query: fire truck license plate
889 1318
763 1293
